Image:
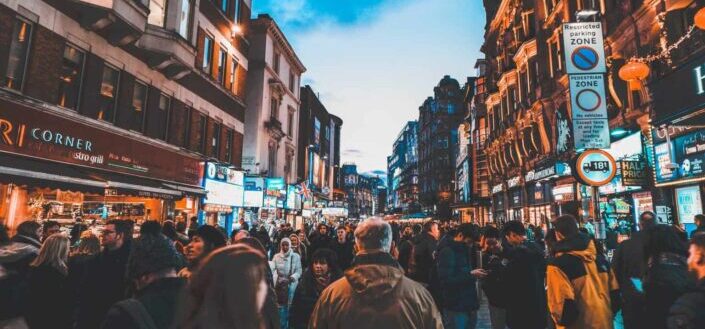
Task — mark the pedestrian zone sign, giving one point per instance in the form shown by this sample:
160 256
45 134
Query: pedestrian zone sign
584 48
587 96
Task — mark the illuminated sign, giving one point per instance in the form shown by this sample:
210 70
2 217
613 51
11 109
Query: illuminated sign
595 167
223 185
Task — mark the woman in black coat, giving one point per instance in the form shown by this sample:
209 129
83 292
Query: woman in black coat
49 295
321 272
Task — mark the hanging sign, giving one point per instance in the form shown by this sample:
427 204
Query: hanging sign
595 167
634 173
584 48
589 109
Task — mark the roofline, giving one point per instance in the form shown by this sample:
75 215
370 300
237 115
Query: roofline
271 26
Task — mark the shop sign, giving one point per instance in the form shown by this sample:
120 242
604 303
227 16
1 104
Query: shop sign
685 160
563 192
254 192
513 182
41 134
275 193
497 188
224 174
679 93
664 214
589 110
563 169
224 186
584 48
540 174
634 173
595 167
335 212
689 203
293 198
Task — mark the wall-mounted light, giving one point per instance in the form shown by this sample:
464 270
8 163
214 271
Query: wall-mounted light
237 29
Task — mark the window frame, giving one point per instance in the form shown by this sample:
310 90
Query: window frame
208 47
203 128
229 136
144 105
116 92
80 75
167 120
221 65
27 50
215 141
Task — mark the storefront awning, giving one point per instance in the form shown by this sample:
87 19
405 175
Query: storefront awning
187 189
25 171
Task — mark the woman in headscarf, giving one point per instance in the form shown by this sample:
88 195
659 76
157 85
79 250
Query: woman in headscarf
299 248
287 268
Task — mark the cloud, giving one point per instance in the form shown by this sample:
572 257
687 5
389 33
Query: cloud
352 153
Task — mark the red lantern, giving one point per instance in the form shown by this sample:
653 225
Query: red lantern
700 19
633 73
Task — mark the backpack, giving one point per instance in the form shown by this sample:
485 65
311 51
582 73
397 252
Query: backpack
137 313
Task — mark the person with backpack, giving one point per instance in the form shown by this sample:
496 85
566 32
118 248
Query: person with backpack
152 270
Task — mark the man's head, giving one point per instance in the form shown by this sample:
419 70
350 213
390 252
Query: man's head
206 239
431 228
407 231
50 227
374 234
647 220
566 227
514 232
696 258
465 233
239 235
322 229
341 233
30 229
417 229
115 233
152 257
699 220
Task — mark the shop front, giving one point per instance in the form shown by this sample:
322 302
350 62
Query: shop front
515 196
274 199
253 199
499 214
64 168
225 196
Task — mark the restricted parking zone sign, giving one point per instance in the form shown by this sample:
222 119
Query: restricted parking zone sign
584 48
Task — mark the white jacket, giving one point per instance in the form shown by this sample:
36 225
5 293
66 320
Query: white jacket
285 264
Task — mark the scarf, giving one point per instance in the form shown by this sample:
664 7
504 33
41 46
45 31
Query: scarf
321 282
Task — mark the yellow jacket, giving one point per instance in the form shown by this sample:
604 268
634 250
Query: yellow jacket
580 286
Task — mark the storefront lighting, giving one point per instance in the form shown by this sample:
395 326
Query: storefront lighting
619 132
700 19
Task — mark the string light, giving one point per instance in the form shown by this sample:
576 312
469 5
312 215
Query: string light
666 53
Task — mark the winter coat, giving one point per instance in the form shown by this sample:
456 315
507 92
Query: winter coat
286 265
319 241
344 251
628 263
305 299
523 279
580 286
15 258
424 247
161 299
104 284
458 287
492 284
49 302
688 312
375 294
405 247
665 280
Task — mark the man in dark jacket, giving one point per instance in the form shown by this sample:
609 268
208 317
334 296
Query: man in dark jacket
15 256
343 248
688 312
523 278
424 247
152 267
457 279
105 281
320 239
406 245
628 263
700 223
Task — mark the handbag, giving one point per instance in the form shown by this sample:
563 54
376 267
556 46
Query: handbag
282 288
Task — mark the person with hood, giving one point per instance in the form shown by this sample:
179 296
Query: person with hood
343 248
628 264
204 240
688 312
522 275
104 282
287 268
15 256
581 287
458 278
422 253
49 302
374 293
320 239
298 247
152 269
319 275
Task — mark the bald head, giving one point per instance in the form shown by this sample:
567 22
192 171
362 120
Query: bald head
373 234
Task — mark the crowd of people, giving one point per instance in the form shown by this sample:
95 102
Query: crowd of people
369 274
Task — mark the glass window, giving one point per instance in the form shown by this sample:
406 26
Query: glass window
222 58
207 54
292 81
157 12
70 78
274 108
233 69
229 134
290 122
215 141
187 127
164 113
184 26
202 133
139 104
224 6
108 93
17 59
275 62
236 19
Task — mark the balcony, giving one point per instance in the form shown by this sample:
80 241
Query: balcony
274 127
121 22
166 51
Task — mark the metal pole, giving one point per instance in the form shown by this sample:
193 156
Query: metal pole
600 233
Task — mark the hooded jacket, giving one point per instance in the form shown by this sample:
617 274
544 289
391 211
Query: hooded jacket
458 286
15 258
374 293
579 286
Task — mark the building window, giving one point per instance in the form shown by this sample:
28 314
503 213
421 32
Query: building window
157 12
70 78
290 124
17 59
215 141
139 104
233 69
272 160
292 81
236 13
229 134
207 54
184 26
224 6
274 108
164 113
275 62
108 91
187 127
222 58
202 125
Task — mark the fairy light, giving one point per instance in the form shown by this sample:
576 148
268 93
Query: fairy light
665 54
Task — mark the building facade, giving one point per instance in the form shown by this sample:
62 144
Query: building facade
402 172
110 109
363 193
479 210
271 124
439 118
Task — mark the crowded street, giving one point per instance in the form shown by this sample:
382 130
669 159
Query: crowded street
336 164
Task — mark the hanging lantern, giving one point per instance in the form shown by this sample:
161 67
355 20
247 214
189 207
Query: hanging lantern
633 73
700 19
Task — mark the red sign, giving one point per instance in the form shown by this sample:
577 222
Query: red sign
43 134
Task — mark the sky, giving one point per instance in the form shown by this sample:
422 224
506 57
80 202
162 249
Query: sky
374 62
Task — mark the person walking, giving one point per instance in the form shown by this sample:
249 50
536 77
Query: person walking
422 255
48 290
152 269
374 293
287 267
49 228
319 275
666 276
104 282
580 287
343 248
458 279
523 278
87 250
629 266
688 311
700 225
298 247
204 240
406 246
492 283
320 239
15 256
229 291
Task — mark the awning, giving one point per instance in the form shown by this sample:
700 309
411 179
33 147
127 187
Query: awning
187 189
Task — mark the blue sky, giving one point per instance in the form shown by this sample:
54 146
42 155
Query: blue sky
375 61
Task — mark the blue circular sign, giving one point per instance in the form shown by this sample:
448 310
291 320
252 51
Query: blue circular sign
585 58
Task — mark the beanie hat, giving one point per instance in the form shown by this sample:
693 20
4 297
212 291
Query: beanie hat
211 236
150 254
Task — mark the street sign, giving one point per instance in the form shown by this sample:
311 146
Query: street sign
584 48
595 167
589 111
591 133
